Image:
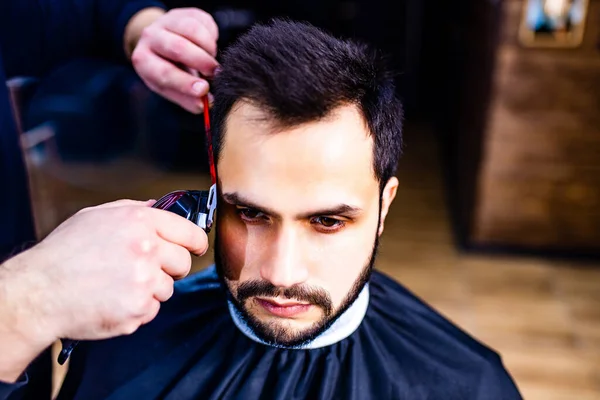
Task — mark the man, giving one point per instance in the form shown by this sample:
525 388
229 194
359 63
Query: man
307 139
35 37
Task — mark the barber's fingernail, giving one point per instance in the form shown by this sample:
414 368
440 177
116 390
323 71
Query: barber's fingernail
217 70
199 87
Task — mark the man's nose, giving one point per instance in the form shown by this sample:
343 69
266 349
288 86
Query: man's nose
286 265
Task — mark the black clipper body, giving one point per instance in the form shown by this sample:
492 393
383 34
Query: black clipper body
197 206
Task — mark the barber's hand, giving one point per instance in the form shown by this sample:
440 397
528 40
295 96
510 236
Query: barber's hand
104 271
185 37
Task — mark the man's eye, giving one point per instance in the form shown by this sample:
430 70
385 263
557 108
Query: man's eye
250 214
328 223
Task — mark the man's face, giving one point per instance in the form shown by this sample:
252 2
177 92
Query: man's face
298 219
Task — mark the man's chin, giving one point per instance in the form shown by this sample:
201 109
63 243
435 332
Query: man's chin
282 334
285 332
291 324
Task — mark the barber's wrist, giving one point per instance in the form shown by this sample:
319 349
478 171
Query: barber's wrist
136 25
26 327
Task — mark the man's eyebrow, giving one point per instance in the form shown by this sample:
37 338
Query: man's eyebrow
238 200
341 209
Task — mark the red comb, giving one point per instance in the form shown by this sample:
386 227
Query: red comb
211 160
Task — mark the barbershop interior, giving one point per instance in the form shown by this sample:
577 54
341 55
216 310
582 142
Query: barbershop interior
496 222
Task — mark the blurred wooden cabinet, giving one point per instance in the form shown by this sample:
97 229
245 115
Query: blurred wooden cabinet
524 136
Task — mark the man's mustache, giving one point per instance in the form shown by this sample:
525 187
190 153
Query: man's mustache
316 296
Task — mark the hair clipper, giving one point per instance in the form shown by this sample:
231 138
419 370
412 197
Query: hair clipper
197 206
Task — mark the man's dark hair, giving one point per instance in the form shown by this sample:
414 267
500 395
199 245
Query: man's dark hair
298 73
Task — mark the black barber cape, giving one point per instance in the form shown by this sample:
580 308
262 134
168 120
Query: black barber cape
401 349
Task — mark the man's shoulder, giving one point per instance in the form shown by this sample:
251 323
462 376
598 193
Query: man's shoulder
398 305
201 287
195 297
415 318
197 307
205 280
417 334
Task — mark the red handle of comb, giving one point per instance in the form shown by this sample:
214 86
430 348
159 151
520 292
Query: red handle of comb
211 160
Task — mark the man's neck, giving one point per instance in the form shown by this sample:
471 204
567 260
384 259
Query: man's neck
343 327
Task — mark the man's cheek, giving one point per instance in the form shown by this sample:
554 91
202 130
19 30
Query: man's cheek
334 272
340 285
340 266
233 238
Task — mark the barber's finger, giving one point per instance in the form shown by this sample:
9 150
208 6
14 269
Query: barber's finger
162 75
196 32
119 203
125 203
178 49
164 287
152 312
174 260
193 104
203 17
178 230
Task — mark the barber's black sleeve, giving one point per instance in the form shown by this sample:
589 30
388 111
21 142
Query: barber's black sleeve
10 391
38 35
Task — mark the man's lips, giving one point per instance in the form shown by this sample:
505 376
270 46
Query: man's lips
283 309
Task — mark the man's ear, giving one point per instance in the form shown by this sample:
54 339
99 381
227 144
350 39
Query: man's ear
387 197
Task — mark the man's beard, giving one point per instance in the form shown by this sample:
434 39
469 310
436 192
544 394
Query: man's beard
274 333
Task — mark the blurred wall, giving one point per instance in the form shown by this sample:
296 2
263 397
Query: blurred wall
521 128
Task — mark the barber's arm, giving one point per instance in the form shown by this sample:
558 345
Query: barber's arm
38 35
100 274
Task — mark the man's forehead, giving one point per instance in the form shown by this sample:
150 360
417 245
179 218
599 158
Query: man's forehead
340 138
315 165
326 161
